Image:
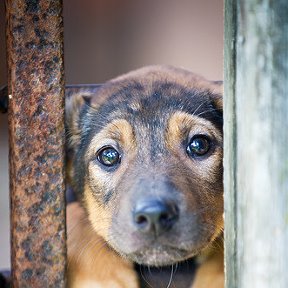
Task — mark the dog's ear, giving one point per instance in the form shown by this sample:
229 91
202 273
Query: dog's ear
217 95
75 105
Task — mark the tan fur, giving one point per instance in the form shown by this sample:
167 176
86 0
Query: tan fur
96 212
85 248
211 271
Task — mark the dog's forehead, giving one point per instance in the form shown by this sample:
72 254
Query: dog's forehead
151 84
148 97
151 103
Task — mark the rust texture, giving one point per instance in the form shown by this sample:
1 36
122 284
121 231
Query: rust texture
36 131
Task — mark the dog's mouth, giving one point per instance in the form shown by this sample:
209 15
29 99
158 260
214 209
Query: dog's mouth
159 255
161 251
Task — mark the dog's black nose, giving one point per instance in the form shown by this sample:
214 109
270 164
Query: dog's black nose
155 216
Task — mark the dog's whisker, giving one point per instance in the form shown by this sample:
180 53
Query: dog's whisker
89 245
206 111
81 251
144 278
149 270
203 103
171 277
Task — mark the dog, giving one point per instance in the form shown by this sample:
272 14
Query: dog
145 162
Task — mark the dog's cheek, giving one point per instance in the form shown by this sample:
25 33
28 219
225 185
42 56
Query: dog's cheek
99 198
203 200
98 213
213 205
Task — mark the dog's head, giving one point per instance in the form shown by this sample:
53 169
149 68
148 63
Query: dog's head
147 162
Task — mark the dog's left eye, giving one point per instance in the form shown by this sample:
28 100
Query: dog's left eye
198 146
108 156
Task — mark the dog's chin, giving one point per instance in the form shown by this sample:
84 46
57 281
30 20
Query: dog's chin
159 255
161 252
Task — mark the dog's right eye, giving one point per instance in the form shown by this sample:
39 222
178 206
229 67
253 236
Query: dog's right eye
108 156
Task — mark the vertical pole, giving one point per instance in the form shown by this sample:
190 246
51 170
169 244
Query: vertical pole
260 193
230 143
36 135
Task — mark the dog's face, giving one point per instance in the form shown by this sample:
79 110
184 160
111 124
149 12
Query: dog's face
147 162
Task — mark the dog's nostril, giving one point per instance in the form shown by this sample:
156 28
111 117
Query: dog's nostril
155 216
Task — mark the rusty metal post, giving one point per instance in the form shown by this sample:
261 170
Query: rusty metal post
36 131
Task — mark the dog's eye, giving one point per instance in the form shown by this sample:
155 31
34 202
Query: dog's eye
108 156
198 146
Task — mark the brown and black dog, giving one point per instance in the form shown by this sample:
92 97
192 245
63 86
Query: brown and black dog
147 169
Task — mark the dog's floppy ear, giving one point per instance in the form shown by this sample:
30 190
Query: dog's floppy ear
74 106
77 101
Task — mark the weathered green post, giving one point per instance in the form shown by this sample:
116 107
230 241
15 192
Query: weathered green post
256 143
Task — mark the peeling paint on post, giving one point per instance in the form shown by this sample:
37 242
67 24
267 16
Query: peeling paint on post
36 132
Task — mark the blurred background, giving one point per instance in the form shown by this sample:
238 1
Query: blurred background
105 38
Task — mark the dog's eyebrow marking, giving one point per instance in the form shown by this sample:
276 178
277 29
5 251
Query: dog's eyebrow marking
118 131
181 124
